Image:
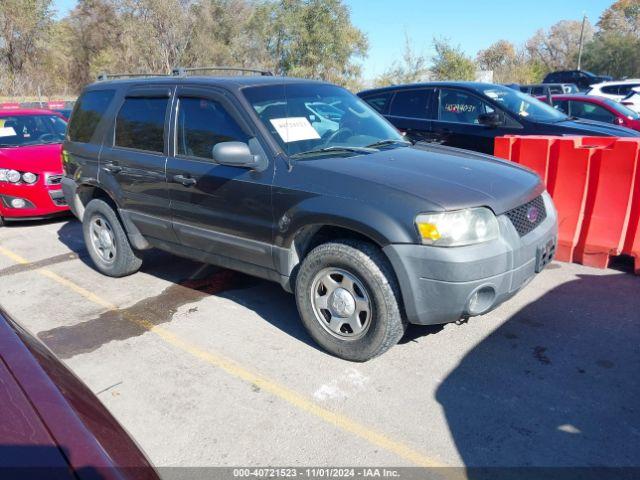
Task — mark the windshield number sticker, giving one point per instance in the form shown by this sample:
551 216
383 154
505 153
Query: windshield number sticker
294 129
7 132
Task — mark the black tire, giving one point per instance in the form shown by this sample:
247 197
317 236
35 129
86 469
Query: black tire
1 221
368 265
124 260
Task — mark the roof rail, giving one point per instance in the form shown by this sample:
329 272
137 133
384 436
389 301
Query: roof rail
180 71
109 76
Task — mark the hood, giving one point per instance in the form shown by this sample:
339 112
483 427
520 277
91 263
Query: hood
443 178
33 158
591 127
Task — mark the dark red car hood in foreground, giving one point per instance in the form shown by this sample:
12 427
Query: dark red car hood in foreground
33 158
51 425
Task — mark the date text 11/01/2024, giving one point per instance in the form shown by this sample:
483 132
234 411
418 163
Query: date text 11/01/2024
315 472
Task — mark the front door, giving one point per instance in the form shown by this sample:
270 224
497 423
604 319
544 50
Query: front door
457 123
218 209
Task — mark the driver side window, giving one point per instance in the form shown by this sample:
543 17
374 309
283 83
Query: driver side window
203 123
461 107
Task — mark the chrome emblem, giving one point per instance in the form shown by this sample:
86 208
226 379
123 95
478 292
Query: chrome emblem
532 214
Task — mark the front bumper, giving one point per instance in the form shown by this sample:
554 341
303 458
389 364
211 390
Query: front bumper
441 285
42 200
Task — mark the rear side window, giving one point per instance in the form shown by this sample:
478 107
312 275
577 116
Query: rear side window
379 102
410 103
611 89
87 113
203 123
140 124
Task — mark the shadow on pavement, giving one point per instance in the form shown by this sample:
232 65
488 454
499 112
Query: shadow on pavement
190 282
558 384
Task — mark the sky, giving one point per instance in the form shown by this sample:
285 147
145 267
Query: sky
471 24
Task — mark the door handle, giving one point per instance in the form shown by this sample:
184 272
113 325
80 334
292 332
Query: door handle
186 181
113 168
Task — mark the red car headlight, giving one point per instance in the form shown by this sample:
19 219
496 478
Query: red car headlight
28 177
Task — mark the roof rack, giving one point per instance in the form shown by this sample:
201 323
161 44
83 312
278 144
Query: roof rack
110 76
180 72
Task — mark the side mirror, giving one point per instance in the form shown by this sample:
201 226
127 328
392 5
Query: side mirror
618 121
492 120
234 154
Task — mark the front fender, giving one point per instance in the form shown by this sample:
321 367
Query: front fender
383 227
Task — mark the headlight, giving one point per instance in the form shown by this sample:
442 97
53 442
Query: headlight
29 177
13 176
461 227
3 175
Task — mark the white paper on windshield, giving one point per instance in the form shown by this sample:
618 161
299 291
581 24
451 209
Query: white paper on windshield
7 132
294 129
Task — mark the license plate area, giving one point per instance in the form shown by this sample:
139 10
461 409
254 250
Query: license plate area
544 254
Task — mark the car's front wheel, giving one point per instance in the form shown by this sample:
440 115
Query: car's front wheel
349 300
107 241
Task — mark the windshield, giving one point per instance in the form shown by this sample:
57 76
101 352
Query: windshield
23 130
618 107
313 118
523 105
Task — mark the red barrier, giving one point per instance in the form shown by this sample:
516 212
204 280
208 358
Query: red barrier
503 147
595 185
569 191
608 209
632 243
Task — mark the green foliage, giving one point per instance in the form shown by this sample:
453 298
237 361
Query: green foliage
450 63
312 39
413 68
615 54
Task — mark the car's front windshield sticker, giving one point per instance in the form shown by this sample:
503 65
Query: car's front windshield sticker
294 129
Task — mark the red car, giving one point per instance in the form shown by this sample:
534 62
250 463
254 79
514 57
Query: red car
30 164
51 425
600 109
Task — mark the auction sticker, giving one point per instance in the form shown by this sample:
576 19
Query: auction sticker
294 129
7 132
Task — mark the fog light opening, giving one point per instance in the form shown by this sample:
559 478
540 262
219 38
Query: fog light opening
481 300
18 203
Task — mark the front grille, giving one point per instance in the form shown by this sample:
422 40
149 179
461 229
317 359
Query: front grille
528 216
54 179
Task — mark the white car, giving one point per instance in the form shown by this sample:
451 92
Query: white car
632 100
615 90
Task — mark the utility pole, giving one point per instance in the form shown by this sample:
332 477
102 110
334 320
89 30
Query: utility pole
584 20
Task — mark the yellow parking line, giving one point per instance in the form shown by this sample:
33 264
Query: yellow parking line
234 369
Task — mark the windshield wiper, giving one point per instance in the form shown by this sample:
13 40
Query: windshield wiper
390 141
334 149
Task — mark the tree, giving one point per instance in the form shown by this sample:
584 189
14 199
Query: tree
94 31
450 63
412 68
509 64
614 54
312 39
558 48
623 17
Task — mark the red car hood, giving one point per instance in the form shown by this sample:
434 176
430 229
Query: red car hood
34 158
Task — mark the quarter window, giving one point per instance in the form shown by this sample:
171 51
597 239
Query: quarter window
410 103
461 107
203 123
87 113
140 124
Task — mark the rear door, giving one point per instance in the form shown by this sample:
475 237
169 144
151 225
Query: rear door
411 112
218 209
134 157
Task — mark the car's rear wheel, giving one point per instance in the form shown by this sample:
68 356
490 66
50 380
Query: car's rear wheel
107 241
349 300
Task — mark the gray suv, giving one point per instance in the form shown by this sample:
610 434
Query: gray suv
302 183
